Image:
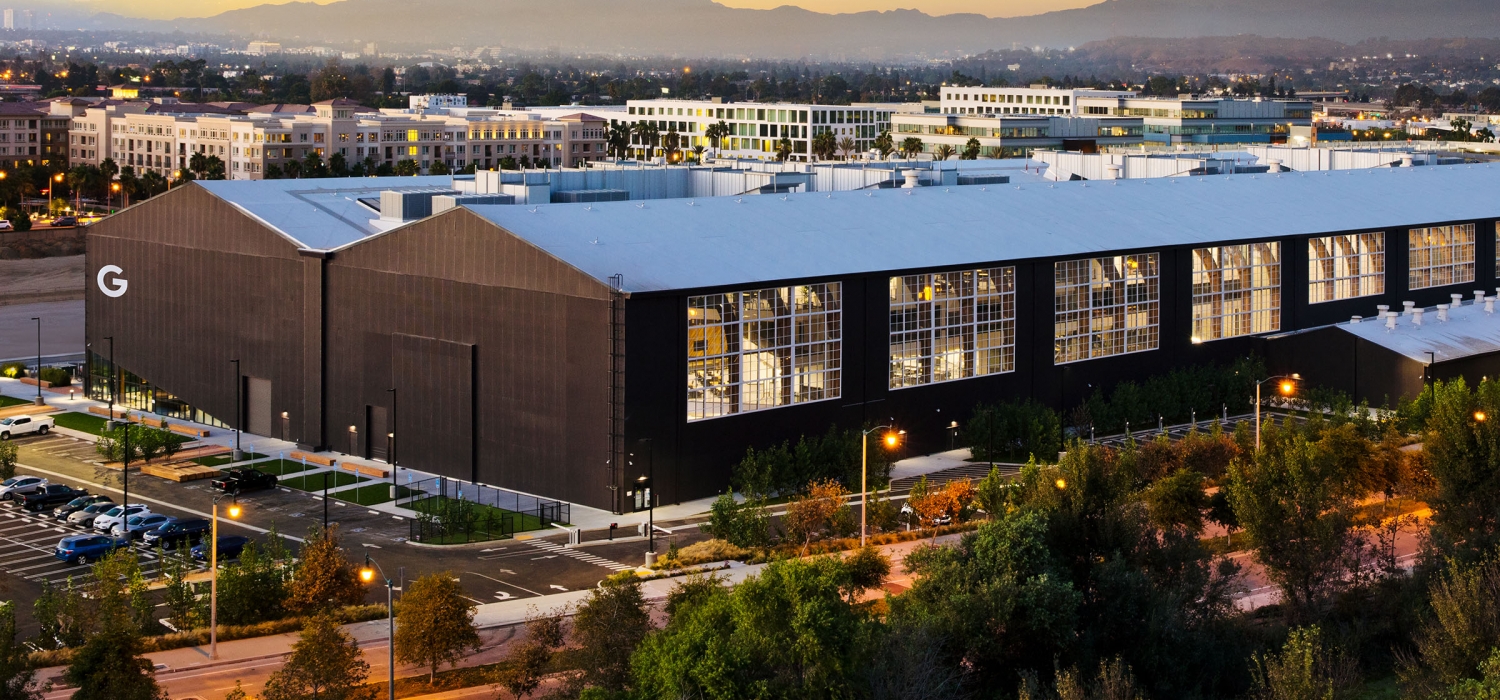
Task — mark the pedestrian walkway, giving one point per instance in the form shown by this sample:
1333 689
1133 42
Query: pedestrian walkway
578 554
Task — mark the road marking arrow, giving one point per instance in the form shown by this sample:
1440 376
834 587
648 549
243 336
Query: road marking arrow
560 588
502 595
549 556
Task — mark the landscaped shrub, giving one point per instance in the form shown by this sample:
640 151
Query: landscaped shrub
56 376
13 370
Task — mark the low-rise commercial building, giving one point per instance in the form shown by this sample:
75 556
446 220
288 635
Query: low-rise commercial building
539 347
1010 136
755 128
1207 120
1034 100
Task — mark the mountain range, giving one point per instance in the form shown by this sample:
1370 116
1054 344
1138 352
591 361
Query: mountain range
704 28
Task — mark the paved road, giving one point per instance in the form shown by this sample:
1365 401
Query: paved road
62 329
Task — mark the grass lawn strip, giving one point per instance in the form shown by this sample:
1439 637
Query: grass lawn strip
280 467
369 495
314 482
523 522
227 459
8 401
83 422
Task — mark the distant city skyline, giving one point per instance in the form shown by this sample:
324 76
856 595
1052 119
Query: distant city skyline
169 9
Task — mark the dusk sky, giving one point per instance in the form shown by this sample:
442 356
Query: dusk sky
166 9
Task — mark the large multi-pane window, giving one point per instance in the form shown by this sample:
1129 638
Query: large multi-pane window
764 348
952 325
1236 290
1105 306
1345 267
1441 255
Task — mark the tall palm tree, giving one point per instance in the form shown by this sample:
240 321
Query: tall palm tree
617 140
943 152
647 136
698 153
716 133
824 145
129 183
784 149
884 144
671 144
293 169
911 146
847 147
971 149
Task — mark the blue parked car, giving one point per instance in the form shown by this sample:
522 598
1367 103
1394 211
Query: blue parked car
82 549
230 547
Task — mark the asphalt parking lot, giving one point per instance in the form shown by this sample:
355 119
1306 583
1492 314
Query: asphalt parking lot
530 565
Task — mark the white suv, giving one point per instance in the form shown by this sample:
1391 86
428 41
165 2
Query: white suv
117 515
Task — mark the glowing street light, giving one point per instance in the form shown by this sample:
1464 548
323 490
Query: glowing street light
1288 387
367 575
234 510
892 440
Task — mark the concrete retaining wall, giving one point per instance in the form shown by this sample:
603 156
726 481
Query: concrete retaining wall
41 243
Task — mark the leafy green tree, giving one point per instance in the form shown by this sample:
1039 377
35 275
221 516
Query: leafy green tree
1462 625
110 666
884 144
17 673
607 628
237 693
789 632
745 524
325 663
438 168
435 624
1463 458
1013 430
1305 669
8 457
527 662
1178 501
1291 497
253 589
325 579
1486 687
187 609
407 168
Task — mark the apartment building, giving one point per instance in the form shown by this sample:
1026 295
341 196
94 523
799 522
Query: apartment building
1037 99
30 134
1199 119
251 140
1014 136
756 128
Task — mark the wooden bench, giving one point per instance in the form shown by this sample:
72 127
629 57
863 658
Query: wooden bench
312 458
153 422
27 410
101 411
187 430
33 382
366 470
180 472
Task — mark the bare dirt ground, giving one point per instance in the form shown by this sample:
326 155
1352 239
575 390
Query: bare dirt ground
41 279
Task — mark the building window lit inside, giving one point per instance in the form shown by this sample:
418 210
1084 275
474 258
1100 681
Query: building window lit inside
1441 255
952 325
1236 290
766 348
1105 306
1345 267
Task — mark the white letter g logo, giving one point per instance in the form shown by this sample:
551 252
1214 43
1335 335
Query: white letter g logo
112 287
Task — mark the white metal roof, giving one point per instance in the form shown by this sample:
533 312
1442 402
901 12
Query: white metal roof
1468 331
317 213
733 242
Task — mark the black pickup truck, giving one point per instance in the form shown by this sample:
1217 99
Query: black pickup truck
49 496
242 479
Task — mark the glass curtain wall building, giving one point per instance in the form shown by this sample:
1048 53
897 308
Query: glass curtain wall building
1236 291
765 348
1345 267
1106 306
952 325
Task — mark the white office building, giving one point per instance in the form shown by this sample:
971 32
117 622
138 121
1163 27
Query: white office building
755 128
1204 119
1037 99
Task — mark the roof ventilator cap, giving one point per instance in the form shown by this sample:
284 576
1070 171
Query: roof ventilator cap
1489 305
1442 310
1390 322
1112 172
1458 300
1382 310
1410 306
1354 319
1416 317
910 178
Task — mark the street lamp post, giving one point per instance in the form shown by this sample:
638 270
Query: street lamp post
213 577
647 483
52 191
238 455
1287 387
38 376
112 382
891 440
367 574
110 200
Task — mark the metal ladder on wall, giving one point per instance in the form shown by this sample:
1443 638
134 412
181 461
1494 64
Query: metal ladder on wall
616 388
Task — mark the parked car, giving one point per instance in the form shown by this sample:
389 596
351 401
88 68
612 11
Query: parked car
6 225
20 485
230 547
67 509
172 534
116 515
137 525
241 479
86 515
49 496
82 549
16 426
65 221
